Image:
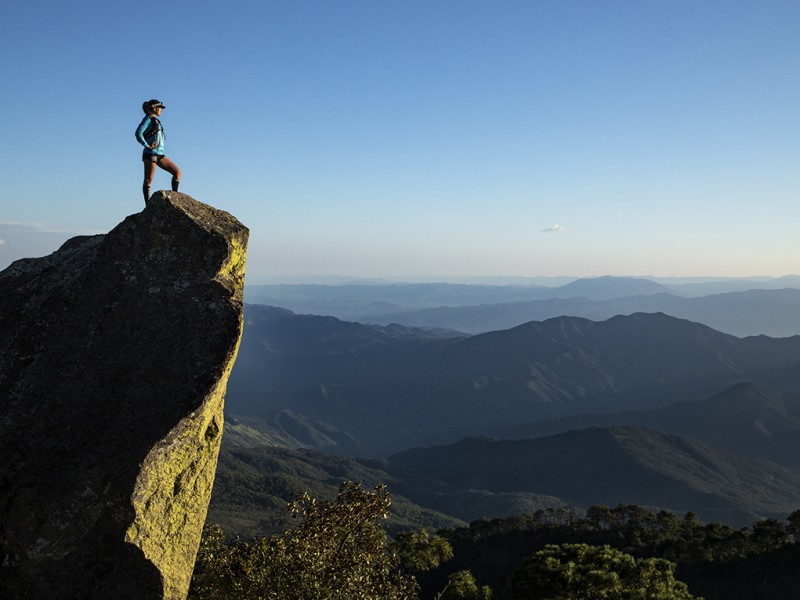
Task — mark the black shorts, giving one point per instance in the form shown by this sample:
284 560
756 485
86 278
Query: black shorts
156 158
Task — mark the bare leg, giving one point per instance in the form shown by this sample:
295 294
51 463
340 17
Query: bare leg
172 168
149 171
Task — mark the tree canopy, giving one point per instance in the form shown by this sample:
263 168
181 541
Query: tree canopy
338 551
581 572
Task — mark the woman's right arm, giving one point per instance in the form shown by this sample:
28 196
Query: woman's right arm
140 131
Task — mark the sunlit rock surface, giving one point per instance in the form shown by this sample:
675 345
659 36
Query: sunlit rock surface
115 353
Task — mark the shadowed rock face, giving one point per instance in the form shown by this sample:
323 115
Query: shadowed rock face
114 356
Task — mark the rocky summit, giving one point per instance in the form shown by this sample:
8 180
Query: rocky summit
115 353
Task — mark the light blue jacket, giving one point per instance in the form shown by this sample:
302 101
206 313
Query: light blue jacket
149 131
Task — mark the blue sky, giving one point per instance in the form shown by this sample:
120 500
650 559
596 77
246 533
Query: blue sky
419 139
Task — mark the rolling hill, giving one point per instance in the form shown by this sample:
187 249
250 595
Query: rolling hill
254 485
607 466
745 419
446 486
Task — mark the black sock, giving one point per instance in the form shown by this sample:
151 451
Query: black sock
175 184
146 192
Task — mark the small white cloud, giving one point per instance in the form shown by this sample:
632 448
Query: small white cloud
2 242
40 227
554 228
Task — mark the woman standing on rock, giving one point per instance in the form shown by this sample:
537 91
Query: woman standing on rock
150 134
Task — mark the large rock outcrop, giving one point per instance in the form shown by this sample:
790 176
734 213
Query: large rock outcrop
114 357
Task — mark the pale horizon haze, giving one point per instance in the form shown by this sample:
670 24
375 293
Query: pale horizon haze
419 139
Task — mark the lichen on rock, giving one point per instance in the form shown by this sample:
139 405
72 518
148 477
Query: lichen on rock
114 358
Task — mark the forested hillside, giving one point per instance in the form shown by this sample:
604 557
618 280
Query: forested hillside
530 434
718 562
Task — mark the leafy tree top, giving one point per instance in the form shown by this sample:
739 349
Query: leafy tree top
583 572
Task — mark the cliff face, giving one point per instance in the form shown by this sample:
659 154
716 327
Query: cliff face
115 353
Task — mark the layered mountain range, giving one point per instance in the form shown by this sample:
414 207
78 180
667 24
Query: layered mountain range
749 306
643 408
742 313
392 388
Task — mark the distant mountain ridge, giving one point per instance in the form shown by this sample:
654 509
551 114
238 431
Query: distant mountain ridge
608 287
392 388
748 306
684 417
346 301
754 312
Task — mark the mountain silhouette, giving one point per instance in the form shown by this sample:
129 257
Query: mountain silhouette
396 387
752 312
608 287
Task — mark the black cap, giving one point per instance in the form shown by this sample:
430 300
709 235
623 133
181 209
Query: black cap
156 104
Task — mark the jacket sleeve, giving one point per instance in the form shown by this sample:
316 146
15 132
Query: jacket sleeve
140 131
